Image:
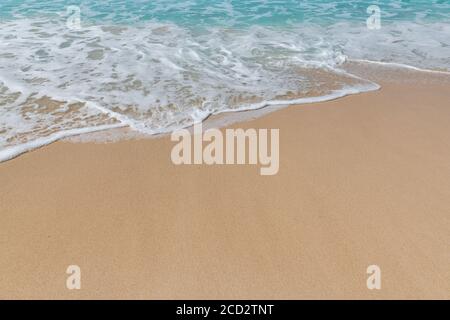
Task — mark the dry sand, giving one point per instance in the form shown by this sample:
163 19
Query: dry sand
363 180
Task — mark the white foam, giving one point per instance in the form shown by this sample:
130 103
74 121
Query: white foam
425 46
159 77
335 94
15 151
154 79
399 65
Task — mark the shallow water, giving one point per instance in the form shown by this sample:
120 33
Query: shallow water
160 65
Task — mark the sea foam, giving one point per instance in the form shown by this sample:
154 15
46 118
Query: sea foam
155 72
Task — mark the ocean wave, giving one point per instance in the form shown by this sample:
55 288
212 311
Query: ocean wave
156 76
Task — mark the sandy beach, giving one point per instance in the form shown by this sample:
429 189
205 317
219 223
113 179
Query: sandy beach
363 180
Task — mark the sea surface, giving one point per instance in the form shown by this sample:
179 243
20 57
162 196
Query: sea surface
70 67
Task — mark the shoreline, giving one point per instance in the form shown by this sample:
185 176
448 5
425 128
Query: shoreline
229 117
363 180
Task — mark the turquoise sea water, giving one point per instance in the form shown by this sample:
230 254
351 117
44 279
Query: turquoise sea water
234 12
163 64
